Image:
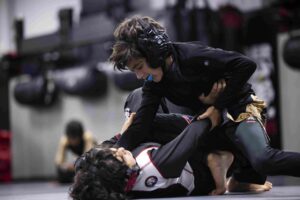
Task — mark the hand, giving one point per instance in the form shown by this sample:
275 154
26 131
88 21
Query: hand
213 114
127 123
124 156
216 90
118 153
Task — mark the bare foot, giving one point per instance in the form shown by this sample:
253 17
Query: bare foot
235 186
218 163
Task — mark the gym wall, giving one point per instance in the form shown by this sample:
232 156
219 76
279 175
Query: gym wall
289 81
6 33
36 131
40 17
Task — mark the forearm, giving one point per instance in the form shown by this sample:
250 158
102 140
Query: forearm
60 154
241 70
89 144
141 126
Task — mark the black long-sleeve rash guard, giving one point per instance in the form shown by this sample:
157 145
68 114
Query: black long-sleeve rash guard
194 72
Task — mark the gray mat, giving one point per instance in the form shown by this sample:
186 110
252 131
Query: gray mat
53 191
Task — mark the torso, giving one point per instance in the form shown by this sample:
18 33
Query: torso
150 183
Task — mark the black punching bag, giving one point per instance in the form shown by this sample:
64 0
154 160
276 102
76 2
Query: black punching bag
291 52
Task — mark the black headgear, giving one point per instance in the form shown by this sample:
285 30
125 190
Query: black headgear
154 44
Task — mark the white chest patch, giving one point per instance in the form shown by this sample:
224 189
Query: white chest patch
150 178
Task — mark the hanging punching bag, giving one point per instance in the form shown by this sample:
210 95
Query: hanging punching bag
38 91
82 81
291 52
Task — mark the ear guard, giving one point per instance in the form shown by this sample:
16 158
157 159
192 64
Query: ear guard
154 44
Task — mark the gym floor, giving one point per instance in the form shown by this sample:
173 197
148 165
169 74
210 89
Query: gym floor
284 188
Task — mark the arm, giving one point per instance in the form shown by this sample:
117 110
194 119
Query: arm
216 90
171 158
112 141
140 128
205 65
212 113
61 151
165 127
88 141
239 71
168 126
127 123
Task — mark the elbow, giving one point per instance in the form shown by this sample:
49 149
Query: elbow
245 66
251 65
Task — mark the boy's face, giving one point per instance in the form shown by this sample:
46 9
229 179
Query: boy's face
142 69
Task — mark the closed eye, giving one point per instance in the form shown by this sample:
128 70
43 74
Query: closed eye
137 66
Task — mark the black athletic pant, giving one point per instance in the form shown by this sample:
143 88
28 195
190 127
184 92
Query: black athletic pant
249 143
167 126
172 157
251 138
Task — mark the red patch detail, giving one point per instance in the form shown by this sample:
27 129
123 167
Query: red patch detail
131 181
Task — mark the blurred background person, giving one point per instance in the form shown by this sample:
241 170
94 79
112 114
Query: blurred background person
77 141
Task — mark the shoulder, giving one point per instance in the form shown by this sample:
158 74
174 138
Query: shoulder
63 141
188 50
137 93
193 52
87 135
133 101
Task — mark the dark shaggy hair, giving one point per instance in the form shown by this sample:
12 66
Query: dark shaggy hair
99 176
126 36
74 129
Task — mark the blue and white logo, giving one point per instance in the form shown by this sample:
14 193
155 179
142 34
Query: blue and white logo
151 181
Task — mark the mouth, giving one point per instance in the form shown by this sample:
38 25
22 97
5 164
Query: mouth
149 77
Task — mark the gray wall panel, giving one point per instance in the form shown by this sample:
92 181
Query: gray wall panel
36 131
289 82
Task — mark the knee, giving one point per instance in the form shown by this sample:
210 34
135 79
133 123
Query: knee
198 128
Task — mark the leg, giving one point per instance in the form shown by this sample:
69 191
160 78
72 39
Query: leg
235 186
167 127
247 174
219 163
64 175
251 138
172 157
246 179
241 170
204 181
